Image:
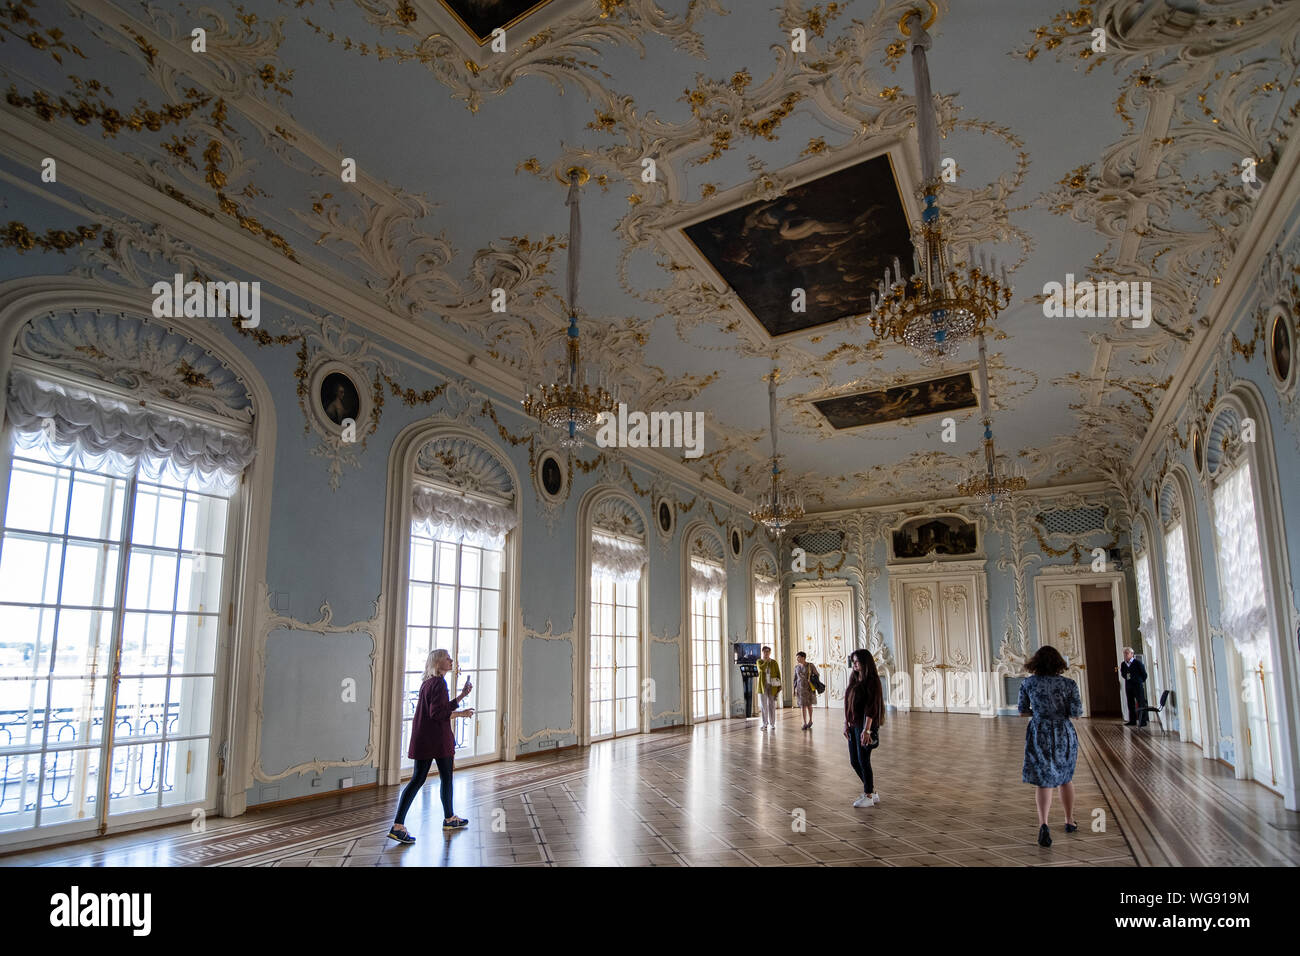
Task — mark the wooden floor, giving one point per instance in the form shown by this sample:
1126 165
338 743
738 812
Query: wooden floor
727 793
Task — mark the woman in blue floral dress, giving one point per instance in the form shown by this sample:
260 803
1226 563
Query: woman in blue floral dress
1051 745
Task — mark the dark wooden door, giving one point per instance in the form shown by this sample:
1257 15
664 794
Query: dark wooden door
1099 644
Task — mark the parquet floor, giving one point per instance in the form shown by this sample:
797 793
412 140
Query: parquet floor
729 794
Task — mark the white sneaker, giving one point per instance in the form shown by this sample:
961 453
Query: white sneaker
862 801
875 799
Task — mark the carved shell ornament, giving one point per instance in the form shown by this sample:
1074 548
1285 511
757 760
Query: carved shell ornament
466 465
144 356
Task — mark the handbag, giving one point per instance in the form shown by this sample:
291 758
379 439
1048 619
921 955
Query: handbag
816 681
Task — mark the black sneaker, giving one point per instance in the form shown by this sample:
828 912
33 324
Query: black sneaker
1071 828
455 823
1044 836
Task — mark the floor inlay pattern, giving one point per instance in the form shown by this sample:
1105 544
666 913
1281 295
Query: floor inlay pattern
729 794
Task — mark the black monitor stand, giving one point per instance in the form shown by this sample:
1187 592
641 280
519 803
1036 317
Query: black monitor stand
748 671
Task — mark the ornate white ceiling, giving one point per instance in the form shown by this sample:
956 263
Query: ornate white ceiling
1117 165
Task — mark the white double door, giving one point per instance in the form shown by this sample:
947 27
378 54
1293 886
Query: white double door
940 621
823 629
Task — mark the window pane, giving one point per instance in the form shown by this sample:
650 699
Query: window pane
469 567
421 559
38 497
205 524
146 642
22 712
97 504
199 587
194 643
157 516
83 642
20 634
487 648
71 782
189 709
136 778
185 772
419 605
29 570
140 707
151 581
446 563
89 574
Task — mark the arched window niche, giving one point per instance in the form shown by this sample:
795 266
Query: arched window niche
175 503
451 572
704 608
612 657
1256 614
1147 580
1186 625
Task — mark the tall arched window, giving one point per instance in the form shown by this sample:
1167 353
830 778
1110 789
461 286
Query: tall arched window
1182 616
1148 620
766 584
618 558
1243 609
462 513
707 583
127 443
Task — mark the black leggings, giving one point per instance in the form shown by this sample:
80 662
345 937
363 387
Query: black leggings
860 757
417 781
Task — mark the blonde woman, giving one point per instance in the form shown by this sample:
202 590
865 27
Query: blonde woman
432 741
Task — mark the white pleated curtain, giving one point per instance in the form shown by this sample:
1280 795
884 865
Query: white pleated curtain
765 588
616 557
707 578
1244 614
1146 601
85 429
449 516
1180 595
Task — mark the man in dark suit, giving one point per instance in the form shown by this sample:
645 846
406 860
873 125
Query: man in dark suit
1134 673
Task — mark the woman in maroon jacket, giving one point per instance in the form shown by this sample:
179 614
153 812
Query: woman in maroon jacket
432 741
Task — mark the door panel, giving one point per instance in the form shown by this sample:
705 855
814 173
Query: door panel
834 667
961 692
1065 633
926 632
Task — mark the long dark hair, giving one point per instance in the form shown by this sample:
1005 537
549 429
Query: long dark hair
1047 661
870 681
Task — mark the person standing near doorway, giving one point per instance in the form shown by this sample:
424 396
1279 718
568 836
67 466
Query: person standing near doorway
805 694
769 686
1051 745
1134 673
432 741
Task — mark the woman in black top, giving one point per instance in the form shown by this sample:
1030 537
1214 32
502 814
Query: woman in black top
864 711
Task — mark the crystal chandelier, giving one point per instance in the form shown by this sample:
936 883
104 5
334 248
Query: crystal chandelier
994 488
777 508
570 404
941 304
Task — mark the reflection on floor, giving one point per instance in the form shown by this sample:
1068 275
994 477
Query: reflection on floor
728 793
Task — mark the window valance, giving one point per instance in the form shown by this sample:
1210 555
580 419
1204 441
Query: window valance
95 432
707 577
444 514
615 557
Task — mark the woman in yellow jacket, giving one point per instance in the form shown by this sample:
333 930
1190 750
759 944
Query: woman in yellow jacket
769 687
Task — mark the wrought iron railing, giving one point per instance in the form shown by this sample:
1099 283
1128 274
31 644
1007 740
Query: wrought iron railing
137 769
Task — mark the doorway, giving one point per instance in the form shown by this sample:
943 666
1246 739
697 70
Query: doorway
1099 646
